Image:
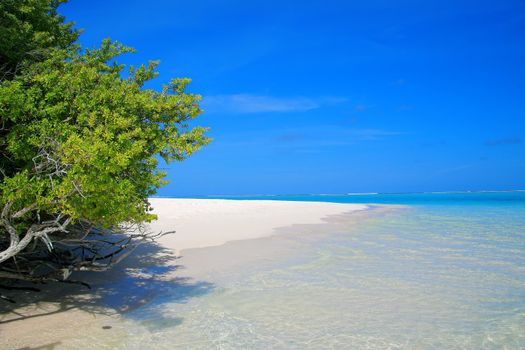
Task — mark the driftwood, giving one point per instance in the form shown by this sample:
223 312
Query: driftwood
53 250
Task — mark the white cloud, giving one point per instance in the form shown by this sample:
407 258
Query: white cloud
308 137
399 82
361 107
371 134
247 103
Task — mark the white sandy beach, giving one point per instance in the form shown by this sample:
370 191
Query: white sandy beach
59 322
203 223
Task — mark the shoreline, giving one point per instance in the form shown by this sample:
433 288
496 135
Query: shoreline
202 223
54 316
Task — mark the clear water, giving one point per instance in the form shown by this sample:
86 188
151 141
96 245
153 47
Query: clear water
438 198
446 272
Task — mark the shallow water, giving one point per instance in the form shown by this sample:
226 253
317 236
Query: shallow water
434 275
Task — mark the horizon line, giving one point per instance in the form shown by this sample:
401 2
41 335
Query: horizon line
349 194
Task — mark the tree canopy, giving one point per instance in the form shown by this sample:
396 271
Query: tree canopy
80 142
29 29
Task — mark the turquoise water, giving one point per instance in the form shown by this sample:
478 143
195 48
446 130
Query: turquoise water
445 272
439 198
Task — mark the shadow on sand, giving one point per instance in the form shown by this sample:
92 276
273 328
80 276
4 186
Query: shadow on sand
144 278
50 346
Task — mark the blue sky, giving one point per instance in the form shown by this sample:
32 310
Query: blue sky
336 96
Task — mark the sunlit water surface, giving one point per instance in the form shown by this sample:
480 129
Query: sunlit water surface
443 273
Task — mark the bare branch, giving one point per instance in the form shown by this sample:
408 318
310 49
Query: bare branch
24 211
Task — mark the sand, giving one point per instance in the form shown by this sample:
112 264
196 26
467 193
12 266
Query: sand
203 223
61 315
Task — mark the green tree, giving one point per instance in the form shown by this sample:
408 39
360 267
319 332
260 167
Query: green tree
79 153
29 29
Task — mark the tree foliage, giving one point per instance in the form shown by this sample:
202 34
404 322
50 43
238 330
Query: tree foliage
81 137
29 29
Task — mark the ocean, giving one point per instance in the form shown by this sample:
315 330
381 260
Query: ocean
438 271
